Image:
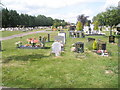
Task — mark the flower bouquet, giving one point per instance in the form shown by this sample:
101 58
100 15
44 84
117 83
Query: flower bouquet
18 44
99 52
28 45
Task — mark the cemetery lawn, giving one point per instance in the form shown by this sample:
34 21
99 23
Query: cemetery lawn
37 68
10 33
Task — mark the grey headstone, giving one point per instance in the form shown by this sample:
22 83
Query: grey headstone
60 38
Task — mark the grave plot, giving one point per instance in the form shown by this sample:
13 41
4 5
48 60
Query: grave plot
98 47
76 34
58 45
34 43
95 33
78 47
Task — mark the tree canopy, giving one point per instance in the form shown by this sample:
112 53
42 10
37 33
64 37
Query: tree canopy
10 18
110 17
83 19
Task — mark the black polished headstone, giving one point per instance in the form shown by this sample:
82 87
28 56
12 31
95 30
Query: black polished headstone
79 46
101 45
111 39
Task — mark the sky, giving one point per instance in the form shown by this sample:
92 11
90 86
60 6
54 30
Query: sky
60 9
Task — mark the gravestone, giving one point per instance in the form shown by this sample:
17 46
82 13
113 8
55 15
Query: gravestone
111 39
72 28
89 30
62 34
70 33
78 34
60 38
43 41
82 35
79 47
101 45
48 37
56 48
91 39
40 38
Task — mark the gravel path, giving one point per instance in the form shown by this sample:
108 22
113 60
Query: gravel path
23 34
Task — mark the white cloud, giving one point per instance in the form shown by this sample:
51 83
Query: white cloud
72 16
47 3
35 7
109 3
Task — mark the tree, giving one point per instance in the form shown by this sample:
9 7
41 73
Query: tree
13 18
111 17
96 24
10 18
82 19
79 26
5 17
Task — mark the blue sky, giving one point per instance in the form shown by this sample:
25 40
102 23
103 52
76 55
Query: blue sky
61 9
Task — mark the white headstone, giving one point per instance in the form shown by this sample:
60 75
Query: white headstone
62 34
56 48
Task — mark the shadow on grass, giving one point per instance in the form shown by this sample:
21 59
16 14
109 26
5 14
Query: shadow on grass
33 57
49 41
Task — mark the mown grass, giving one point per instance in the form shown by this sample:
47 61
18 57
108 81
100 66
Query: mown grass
10 33
26 68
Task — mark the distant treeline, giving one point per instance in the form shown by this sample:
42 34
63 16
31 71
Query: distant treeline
10 18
